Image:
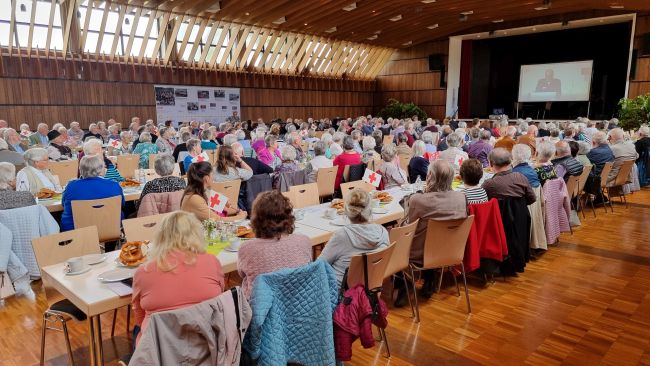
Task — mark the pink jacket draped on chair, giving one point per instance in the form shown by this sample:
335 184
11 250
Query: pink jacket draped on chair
557 209
160 203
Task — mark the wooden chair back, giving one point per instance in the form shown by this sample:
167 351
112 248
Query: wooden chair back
346 188
212 155
103 213
229 188
325 179
572 185
388 139
445 242
622 178
152 160
304 195
66 170
375 270
582 181
127 164
604 174
404 161
304 145
318 134
142 228
402 237
346 174
57 248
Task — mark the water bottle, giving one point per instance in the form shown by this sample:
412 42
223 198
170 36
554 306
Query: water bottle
142 177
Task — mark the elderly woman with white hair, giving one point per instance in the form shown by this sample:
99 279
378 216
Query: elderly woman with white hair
164 142
454 153
90 186
288 164
418 165
9 197
94 147
430 140
358 237
521 155
166 182
35 175
319 161
544 167
145 147
369 152
392 174
336 146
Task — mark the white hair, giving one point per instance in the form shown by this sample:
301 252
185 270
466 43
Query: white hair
34 154
91 166
369 143
545 150
288 153
90 146
521 153
229 139
7 174
418 148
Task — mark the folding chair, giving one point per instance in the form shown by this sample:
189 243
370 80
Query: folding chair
402 238
66 170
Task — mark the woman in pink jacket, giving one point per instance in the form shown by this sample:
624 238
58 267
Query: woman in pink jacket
267 151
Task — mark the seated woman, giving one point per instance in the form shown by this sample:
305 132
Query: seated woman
90 186
348 157
195 198
164 167
207 140
357 238
544 167
144 148
418 165
164 142
521 155
94 147
392 175
275 245
230 166
9 198
57 150
194 150
35 175
369 152
319 161
437 202
430 141
471 172
178 272
288 164
267 151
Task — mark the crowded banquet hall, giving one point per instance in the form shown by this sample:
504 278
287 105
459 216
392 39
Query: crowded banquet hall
331 182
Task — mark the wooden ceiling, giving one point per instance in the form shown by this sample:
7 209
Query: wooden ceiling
372 17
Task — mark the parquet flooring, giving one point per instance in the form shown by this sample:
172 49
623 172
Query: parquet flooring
584 302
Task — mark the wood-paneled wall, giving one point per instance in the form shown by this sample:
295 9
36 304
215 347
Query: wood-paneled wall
641 83
406 77
34 90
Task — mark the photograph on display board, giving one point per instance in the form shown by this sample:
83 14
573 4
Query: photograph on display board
165 96
203 106
191 106
180 93
203 94
220 94
213 105
233 97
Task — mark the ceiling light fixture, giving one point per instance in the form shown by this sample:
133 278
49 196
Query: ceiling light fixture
498 21
462 18
427 1
127 21
280 20
617 6
407 43
396 18
469 12
214 7
433 26
23 8
331 30
350 7
372 38
546 4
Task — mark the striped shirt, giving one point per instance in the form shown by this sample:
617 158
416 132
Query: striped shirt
475 195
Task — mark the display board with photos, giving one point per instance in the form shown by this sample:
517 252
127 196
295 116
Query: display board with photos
182 103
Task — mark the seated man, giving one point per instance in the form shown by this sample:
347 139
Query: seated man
622 150
565 164
505 183
600 154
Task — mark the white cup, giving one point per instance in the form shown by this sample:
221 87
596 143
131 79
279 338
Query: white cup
330 213
299 214
75 264
375 203
235 243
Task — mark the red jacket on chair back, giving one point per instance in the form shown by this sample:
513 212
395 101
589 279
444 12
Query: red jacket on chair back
487 239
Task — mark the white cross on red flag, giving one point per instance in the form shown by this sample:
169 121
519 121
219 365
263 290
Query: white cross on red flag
217 201
200 157
371 177
114 144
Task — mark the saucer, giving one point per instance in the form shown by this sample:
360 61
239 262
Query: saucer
94 258
84 270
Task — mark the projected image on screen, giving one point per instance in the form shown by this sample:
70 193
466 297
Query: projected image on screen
559 82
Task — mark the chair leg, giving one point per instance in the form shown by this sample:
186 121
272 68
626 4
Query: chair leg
128 320
442 272
114 321
382 332
469 306
593 209
455 283
43 339
415 297
67 342
408 293
602 196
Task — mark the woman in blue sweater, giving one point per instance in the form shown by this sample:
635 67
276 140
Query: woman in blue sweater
91 186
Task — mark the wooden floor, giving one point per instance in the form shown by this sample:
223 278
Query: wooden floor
584 302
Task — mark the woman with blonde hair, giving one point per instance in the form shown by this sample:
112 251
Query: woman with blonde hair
360 236
179 272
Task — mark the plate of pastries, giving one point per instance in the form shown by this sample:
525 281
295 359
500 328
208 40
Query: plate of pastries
45 193
339 205
245 232
130 183
133 253
383 197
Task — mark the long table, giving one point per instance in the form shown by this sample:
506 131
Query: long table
55 205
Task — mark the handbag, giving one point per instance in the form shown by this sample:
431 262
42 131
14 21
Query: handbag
6 287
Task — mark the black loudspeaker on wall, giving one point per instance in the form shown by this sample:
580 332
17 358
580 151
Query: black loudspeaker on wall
437 63
633 64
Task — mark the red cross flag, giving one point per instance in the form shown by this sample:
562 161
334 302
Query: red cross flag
25 133
371 177
459 159
114 144
217 201
202 157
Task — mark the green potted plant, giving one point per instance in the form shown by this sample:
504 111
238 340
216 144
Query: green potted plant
397 109
634 112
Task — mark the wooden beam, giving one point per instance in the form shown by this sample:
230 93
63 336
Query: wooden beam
86 26
231 42
48 40
269 49
297 45
284 58
67 24
30 36
118 30
102 27
12 25
217 46
260 44
171 43
134 27
153 16
289 38
161 35
295 61
197 41
208 43
242 35
241 57
186 38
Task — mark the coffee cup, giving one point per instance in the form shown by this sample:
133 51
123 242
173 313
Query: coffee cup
299 214
330 213
235 243
375 203
74 264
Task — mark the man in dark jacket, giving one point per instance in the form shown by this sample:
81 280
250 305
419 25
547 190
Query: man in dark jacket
565 164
